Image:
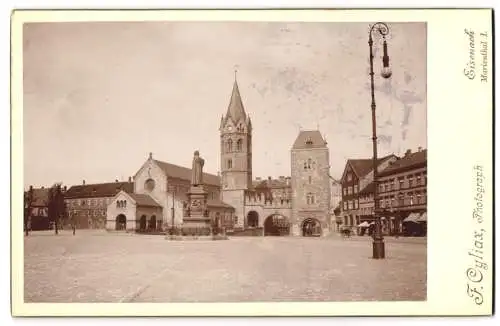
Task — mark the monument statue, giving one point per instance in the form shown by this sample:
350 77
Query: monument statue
197 171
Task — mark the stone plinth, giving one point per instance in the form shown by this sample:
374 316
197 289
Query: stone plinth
196 219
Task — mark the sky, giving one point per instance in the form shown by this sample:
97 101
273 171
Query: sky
100 96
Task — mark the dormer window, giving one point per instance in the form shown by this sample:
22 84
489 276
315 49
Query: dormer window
309 141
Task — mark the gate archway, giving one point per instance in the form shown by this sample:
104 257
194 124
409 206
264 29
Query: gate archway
152 223
121 222
311 227
276 225
142 223
253 219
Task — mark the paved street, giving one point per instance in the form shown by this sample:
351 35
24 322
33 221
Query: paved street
96 266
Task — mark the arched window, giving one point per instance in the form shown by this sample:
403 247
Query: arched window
309 161
229 146
239 145
229 164
310 198
305 165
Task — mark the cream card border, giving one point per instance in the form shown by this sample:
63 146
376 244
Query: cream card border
459 138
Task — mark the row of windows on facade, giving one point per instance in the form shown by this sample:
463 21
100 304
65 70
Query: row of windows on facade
411 180
88 212
229 146
89 202
411 198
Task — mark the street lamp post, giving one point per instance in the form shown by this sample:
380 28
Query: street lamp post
173 213
378 238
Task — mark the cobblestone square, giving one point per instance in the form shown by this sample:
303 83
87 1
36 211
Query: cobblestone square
96 266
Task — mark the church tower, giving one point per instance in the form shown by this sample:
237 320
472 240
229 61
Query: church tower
236 154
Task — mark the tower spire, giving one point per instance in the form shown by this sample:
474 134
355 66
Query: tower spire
235 110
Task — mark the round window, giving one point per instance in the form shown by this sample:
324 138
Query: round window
149 185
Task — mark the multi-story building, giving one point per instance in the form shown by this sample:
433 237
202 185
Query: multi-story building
87 203
39 209
402 194
357 176
311 195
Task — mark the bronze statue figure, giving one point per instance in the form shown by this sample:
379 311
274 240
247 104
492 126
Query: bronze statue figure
197 171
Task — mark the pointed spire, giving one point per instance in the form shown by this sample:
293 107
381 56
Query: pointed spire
235 109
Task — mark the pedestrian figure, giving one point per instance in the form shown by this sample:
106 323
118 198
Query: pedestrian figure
74 228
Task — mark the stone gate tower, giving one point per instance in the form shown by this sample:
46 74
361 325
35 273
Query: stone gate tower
310 162
236 155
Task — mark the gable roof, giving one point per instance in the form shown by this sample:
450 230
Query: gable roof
406 162
99 190
176 171
364 166
309 139
144 200
368 189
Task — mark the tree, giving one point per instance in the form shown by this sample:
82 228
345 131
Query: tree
28 202
56 206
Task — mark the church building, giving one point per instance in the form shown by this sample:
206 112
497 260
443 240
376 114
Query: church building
297 205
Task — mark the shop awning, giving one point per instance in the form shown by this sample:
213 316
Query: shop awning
413 217
423 217
364 225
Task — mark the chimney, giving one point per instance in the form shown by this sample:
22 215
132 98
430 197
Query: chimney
116 180
83 182
129 179
282 178
269 178
408 152
288 179
419 148
150 155
64 189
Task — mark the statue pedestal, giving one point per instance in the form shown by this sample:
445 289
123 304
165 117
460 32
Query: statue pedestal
196 220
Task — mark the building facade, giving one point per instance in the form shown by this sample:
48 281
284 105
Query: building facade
311 195
159 197
293 205
356 181
402 194
87 204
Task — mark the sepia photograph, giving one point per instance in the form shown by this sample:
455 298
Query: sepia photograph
301 144
259 160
